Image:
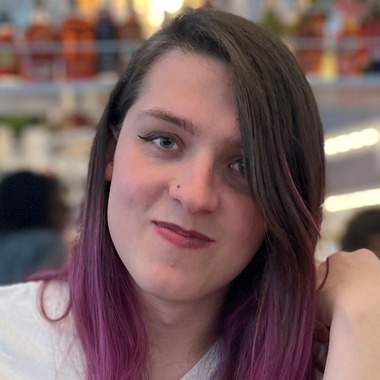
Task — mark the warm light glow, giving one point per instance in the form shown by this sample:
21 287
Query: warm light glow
351 141
157 9
171 6
353 200
155 18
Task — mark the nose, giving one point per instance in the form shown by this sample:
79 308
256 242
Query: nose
195 187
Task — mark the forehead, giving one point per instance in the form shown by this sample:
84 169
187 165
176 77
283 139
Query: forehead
179 70
193 87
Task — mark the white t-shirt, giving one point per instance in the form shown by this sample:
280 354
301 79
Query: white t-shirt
32 348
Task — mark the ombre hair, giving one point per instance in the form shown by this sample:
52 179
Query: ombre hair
267 323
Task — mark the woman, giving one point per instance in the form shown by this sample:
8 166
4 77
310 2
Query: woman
195 258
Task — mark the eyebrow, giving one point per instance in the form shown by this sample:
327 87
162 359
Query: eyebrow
181 122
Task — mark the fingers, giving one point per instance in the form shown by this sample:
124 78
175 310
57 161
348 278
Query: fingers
347 281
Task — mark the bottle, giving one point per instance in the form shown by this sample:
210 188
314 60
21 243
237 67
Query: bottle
131 34
309 37
78 39
105 34
38 62
371 30
272 21
208 4
9 60
131 30
352 54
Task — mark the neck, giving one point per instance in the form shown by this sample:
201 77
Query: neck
179 333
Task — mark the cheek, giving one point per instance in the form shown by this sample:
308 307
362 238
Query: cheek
123 190
131 194
249 229
123 200
119 205
126 176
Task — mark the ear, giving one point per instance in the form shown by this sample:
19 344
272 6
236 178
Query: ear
110 152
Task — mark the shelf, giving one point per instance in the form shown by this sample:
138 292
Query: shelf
19 87
361 81
106 83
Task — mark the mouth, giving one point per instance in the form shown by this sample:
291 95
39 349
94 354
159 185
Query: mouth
180 237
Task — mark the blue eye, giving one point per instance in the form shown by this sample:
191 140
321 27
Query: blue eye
165 142
161 141
239 166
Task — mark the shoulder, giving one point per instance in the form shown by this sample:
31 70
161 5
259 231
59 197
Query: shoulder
22 300
30 345
21 317
17 300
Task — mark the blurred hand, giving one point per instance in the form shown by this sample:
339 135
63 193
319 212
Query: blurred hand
352 285
349 315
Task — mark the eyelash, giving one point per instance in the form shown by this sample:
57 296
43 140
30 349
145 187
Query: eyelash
157 138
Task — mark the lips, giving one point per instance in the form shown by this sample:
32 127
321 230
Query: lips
180 237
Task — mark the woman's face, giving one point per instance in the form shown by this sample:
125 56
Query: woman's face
179 213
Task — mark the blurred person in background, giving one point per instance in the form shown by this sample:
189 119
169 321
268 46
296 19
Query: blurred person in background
33 217
362 231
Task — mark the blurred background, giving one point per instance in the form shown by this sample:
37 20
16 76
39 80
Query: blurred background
60 59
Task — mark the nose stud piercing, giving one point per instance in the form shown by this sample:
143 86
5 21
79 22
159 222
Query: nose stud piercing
178 186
